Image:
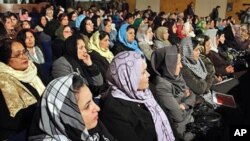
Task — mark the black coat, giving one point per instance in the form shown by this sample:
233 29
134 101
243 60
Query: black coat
126 120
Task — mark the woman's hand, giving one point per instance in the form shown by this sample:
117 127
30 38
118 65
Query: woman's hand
218 78
187 93
182 107
86 59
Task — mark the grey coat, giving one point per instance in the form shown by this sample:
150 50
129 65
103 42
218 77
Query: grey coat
61 67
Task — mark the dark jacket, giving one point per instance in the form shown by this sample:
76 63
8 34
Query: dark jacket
197 85
220 63
127 121
119 47
101 62
12 126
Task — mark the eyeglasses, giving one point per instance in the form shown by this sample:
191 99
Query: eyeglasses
66 31
20 53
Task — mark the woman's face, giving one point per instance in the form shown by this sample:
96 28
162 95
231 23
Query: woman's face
19 58
89 26
207 46
108 27
98 21
150 34
81 50
29 40
67 32
130 35
196 53
65 21
74 16
13 20
88 109
43 21
144 81
104 43
165 35
8 24
26 25
178 65
174 28
222 38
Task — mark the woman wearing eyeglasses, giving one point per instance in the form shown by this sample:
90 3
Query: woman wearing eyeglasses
20 90
58 44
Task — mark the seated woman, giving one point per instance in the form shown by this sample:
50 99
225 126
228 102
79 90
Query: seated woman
68 112
221 62
126 40
27 37
171 87
194 71
106 25
161 35
76 59
130 111
204 51
100 53
172 30
20 90
87 29
144 36
58 43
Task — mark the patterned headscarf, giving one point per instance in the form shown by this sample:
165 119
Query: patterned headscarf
197 67
124 76
94 45
122 37
59 110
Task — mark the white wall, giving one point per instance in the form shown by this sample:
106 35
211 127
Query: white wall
204 7
143 4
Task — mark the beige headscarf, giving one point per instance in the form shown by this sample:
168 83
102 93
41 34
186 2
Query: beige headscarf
159 35
16 95
94 45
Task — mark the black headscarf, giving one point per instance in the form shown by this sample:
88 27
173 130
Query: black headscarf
173 38
83 27
164 62
70 53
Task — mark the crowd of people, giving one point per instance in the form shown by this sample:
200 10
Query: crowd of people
107 75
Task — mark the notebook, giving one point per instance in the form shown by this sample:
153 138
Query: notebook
224 99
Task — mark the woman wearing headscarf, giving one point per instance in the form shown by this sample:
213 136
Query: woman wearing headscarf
76 59
87 29
219 59
106 25
141 119
100 53
161 37
171 87
126 40
172 29
144 36
68 112
58 43
194 71
20 90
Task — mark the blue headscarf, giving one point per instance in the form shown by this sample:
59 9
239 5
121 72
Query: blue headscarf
122 37
79 20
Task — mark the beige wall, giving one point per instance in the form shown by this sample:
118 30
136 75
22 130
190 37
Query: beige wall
204 7
143 4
